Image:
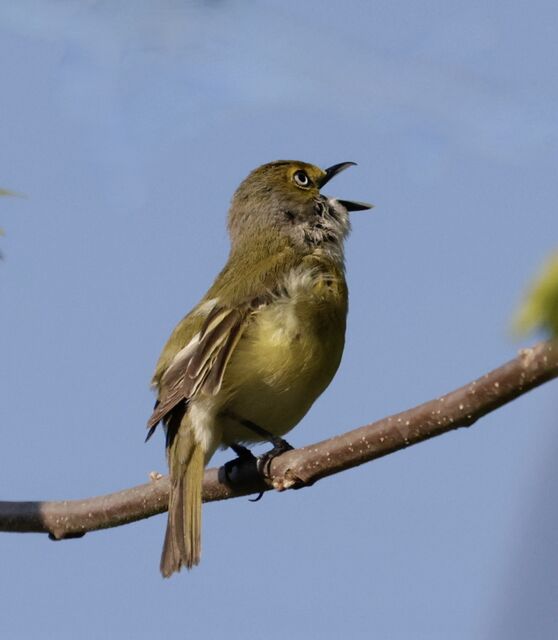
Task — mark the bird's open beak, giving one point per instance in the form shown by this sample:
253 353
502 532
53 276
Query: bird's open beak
331 172
353 205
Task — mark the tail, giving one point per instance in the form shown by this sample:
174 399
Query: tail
182 546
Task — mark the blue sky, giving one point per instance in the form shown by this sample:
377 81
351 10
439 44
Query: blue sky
128 129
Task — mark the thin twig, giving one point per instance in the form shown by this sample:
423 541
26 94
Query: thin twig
300 467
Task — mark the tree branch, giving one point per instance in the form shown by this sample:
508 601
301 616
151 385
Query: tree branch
300 467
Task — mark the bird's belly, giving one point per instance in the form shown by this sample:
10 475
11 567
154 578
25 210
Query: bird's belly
284 361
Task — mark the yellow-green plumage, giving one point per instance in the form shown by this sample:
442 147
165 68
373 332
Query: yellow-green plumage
262 344
186 465
288 354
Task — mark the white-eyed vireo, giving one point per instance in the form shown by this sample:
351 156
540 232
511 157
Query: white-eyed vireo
250 359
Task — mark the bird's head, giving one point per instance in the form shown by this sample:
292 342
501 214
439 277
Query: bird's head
284 196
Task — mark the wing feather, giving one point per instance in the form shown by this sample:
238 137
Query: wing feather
202 363
211 342
214 379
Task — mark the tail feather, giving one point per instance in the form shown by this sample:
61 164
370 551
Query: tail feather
182 546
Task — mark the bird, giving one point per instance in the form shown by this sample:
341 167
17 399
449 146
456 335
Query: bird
249 360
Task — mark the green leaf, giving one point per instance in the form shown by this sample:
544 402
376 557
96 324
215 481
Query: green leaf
13 194
539 309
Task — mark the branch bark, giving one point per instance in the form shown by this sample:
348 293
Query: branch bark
300 467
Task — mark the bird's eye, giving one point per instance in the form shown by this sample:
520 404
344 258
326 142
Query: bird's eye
301 179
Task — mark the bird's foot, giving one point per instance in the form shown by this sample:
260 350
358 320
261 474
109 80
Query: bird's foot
232 468
242 452
279 446
246 465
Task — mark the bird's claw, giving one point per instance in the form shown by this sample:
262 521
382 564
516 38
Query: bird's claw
279 446
244 455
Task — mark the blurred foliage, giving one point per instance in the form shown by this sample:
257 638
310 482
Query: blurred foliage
6 192
539 309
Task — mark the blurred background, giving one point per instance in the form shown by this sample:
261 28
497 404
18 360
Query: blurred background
127 127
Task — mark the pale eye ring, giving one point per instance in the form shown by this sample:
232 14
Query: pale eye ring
301 179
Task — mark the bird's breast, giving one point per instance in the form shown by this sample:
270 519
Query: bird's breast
290 351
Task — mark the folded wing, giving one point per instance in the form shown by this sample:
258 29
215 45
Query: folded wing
200 366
